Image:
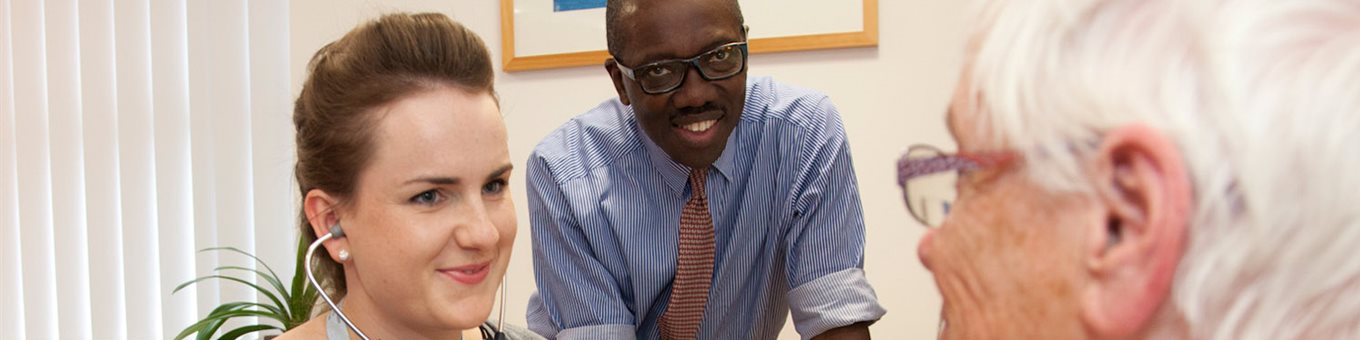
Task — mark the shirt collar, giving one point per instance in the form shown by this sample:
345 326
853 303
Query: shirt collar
674 174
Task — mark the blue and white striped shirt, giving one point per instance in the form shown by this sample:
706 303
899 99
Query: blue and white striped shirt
605 204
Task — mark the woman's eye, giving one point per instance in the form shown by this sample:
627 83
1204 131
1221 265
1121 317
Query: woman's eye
496 187
428 197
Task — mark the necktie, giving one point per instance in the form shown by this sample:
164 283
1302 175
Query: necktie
693 266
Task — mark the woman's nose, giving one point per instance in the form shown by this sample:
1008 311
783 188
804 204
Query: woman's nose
476 230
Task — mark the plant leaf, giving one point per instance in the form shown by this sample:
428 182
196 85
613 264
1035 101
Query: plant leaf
243 330
263 291
306 306
197 327
290 307
273 281
259 313
239 313
304 302
304 294
211 329
239 309
209 325
187 283
242 252
268 308
248 255
213 320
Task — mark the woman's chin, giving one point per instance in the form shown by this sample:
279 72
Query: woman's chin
466 314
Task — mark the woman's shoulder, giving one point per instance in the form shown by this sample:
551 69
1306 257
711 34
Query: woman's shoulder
310 330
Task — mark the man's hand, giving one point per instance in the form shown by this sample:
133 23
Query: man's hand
854 331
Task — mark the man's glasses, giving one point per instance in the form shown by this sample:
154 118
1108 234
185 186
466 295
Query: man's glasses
667 75
929 179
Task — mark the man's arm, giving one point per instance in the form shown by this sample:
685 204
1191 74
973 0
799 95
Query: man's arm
858 330
579 299
830 294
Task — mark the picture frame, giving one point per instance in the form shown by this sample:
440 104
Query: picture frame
544 34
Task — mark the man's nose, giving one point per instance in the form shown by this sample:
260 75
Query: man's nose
694 91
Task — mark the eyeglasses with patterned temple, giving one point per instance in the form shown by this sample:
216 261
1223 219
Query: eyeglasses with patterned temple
667 75
929 179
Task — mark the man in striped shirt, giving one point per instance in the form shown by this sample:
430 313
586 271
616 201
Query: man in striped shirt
760 171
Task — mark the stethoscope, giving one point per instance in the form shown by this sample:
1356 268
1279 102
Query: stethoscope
337 233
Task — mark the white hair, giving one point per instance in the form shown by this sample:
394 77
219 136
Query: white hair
1262 97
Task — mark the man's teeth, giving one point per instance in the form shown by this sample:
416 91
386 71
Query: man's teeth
700 126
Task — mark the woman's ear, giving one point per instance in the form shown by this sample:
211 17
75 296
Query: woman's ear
322 211
1141 181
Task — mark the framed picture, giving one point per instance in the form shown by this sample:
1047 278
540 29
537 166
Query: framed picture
540 34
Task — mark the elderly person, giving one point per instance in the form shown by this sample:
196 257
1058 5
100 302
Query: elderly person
1149 169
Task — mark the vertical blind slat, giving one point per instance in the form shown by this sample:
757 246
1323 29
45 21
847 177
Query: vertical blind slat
232 123
108 299
174 192
68 169
202 91
34 170
11 267
137 160
275 196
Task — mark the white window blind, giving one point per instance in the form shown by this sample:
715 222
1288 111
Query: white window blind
132 134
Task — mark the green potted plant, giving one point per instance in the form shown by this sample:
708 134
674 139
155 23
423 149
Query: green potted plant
290 307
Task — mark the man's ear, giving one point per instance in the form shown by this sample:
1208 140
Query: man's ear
1142 182
612 66
322 211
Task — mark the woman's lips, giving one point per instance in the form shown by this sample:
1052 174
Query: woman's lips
469 274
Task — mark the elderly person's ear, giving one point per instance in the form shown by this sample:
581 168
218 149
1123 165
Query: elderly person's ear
1143 186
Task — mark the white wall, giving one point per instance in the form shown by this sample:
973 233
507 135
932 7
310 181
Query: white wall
891 96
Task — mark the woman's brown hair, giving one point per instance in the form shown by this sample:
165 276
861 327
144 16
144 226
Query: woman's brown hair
377 63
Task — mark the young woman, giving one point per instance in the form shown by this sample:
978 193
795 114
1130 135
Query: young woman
401 145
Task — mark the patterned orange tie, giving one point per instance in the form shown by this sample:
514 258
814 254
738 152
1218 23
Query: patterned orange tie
693 266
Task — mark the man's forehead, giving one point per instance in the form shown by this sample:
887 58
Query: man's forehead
680 29
627 8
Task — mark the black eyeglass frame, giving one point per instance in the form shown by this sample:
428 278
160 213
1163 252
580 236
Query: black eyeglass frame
690 62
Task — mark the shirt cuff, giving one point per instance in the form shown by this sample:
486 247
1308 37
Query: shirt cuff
541 322
834 300
537 316
624 332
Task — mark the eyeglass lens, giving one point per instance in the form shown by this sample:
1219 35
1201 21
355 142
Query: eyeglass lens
718 64
930 197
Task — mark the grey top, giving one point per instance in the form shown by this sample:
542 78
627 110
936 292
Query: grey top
336 330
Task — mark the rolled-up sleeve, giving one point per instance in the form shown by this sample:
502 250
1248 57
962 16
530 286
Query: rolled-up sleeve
826 240
577 298
834 300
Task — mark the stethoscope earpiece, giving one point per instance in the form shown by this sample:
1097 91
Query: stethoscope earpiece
336 232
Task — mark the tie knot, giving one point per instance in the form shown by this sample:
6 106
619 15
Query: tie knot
696 179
